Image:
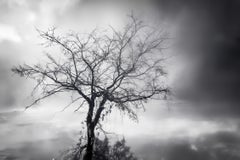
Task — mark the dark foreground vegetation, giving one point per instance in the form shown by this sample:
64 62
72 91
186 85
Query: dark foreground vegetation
103 150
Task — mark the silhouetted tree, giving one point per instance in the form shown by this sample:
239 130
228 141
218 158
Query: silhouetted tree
114 69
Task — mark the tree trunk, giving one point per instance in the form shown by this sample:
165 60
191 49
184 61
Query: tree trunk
90 143
91 128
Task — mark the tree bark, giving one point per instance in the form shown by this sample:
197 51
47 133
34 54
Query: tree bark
90 133
90 142
91 128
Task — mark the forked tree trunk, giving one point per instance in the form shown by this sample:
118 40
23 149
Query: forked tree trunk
91 128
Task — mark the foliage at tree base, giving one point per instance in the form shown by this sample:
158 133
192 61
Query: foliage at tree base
102 151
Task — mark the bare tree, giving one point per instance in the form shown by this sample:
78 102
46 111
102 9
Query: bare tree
113 69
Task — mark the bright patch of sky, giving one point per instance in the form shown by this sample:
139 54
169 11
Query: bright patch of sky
9 33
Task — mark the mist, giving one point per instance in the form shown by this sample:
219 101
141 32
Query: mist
199 120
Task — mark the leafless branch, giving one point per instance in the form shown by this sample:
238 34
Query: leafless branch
120 68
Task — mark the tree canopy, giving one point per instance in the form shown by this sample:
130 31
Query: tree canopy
106 70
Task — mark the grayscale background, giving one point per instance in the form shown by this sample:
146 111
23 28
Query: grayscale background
201 120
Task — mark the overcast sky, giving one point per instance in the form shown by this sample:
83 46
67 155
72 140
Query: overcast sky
203 72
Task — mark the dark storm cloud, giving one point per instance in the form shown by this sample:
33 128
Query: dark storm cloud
209 35
219 145
218 71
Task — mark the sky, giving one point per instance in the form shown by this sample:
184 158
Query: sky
199 121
